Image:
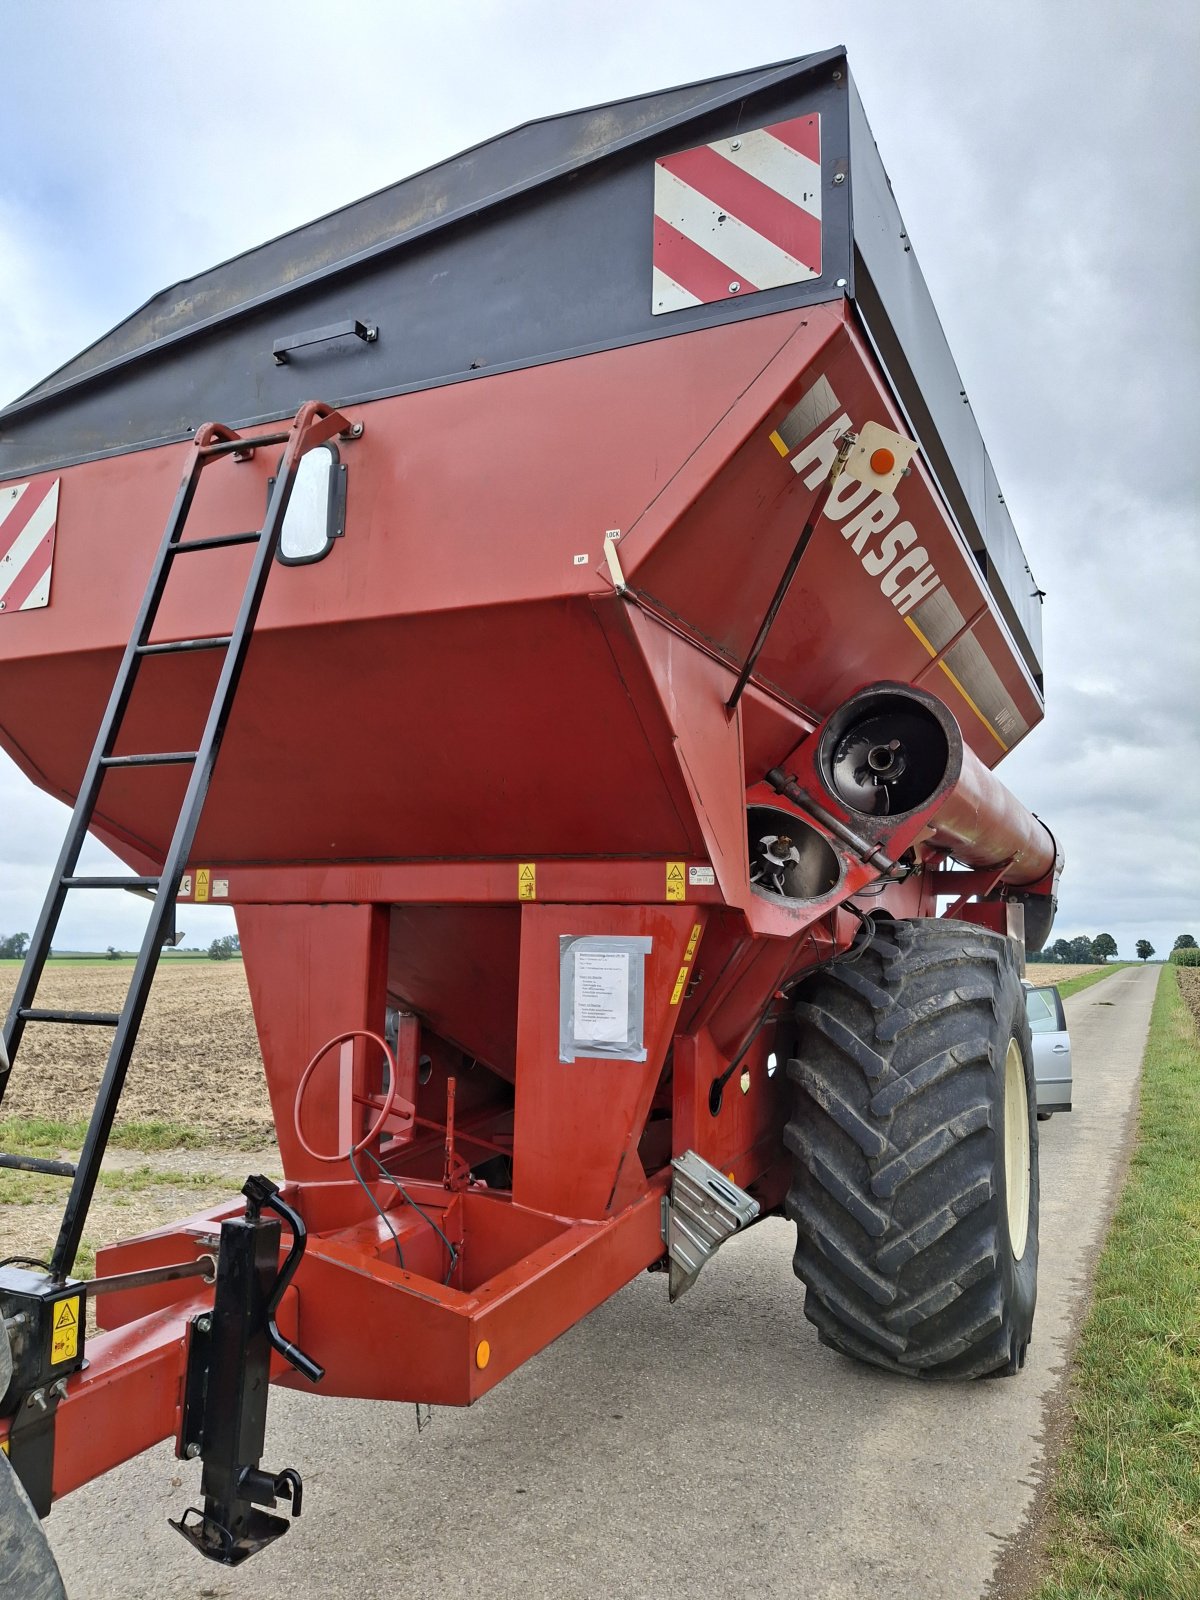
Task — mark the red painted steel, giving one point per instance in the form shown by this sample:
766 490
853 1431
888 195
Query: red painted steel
457 745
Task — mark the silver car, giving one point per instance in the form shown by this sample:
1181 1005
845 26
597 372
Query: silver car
1051 1049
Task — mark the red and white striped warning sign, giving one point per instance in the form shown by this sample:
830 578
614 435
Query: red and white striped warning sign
28 516
739 215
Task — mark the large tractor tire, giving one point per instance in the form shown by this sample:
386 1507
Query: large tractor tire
914 1137
28 1571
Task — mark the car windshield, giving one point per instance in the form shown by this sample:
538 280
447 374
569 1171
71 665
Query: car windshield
1043 1017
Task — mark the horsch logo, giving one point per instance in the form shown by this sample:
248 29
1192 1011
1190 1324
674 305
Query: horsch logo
889 549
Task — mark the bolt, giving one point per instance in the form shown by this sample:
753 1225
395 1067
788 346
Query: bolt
37 1398
839 177
192 1450
204 1324
837 77
841 283
59 1388
354 431
736 145
3 605
734 286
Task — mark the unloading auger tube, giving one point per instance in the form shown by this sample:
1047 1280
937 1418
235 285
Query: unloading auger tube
893 753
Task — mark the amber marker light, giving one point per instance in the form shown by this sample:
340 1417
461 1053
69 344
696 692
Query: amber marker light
483 1354
882 462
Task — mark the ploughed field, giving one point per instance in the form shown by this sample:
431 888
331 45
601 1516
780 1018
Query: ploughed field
1043 974
194 1119
197 1060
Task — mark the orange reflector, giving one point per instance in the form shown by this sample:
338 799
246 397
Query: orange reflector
731 1177
882 462
483 1354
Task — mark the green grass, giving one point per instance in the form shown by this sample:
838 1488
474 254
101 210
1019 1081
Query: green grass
34 1188
1086 979
1124 1518
41 1136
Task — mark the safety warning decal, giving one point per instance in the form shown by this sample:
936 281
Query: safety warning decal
688 957
28 519
676 881
527 880
64 1339
203 883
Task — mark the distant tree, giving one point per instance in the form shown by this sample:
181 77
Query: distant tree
1185 941
1081 950
223 949
113 953
1144 949
1060 950
1103 946
13 947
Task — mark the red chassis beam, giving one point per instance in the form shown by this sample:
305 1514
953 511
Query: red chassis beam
426 1341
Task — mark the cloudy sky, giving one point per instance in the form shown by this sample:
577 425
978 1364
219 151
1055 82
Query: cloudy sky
1043 154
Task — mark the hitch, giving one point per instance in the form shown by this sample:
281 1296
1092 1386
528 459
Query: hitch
228 1377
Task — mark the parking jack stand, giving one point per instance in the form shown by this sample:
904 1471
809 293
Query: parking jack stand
228 1377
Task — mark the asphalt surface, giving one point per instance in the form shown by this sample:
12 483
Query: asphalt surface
710 1449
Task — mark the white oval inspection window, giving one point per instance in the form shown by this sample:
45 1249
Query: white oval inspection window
316 512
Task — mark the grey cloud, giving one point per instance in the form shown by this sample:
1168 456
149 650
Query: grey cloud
1043 157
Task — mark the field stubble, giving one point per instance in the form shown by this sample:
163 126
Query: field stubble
194 1120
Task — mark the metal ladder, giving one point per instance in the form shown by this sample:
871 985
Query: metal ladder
313 425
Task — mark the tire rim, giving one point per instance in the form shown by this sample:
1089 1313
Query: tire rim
1016 1149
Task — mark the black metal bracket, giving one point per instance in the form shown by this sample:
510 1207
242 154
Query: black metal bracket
227 1382
281 349
41 1345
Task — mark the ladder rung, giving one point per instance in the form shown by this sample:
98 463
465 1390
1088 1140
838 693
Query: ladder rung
160 758
111 883
53 1169
85 1019
176 646
217 542
226 447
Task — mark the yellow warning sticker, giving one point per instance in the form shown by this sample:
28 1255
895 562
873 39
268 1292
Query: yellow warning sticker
64 1340
203 883
680 984
693 941
676 881
527 880
777 441
4 1445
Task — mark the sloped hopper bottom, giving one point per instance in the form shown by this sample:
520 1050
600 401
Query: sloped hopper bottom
788 859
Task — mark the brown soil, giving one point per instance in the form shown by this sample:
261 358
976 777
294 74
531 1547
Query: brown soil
197 1064
1189 988
1042 975
197 1060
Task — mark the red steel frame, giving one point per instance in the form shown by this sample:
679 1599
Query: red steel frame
472 945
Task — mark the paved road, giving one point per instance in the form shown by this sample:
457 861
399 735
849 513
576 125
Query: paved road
710 1449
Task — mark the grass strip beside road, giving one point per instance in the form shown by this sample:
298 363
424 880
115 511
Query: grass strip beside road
1124 1512
1086 979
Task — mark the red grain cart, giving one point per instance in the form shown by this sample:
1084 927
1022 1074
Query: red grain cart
606 671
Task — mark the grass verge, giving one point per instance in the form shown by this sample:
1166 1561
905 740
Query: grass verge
1086 979
1124 1514
43 1136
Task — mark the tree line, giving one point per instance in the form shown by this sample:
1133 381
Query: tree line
1086 951
14 945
